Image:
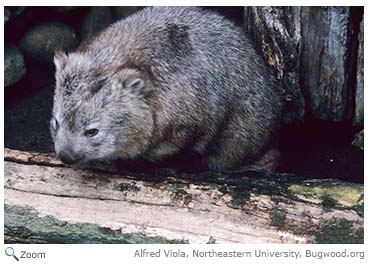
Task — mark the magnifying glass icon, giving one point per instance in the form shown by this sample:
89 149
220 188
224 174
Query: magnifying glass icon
9 251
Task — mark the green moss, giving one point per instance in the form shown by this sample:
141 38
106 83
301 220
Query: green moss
359 208
175 187
213 187
179 194
277 218
24 225
127 187
345 194
211 240
328 202
338 231
239 198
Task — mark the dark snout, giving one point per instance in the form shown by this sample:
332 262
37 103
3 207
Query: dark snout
70 158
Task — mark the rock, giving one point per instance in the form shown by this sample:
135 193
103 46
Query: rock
324 62
7 15
125 11
42 40
359 140
359 94
14 66
96 20
277 31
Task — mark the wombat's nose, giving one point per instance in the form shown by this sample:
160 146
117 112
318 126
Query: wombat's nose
68 157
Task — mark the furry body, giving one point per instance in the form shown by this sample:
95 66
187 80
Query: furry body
161 81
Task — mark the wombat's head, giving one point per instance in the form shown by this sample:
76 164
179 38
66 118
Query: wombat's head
99 115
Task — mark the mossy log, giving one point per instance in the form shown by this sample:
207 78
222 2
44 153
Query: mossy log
47 202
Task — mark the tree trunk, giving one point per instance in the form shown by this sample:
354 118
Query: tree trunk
359 97
277 31
314 51
46 202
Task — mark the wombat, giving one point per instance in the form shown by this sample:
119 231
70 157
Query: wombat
163 81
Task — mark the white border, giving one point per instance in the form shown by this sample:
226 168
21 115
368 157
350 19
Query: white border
124 253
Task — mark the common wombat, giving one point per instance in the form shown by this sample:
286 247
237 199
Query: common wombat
161 81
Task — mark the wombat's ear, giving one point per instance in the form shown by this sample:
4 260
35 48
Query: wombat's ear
136 83
132 79
60 59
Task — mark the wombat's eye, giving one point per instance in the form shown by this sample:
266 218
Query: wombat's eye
91 132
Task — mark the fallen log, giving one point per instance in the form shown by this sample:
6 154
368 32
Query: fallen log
47 202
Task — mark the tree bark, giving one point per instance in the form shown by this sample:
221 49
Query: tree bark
46 202
314 51
359 97
277 31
